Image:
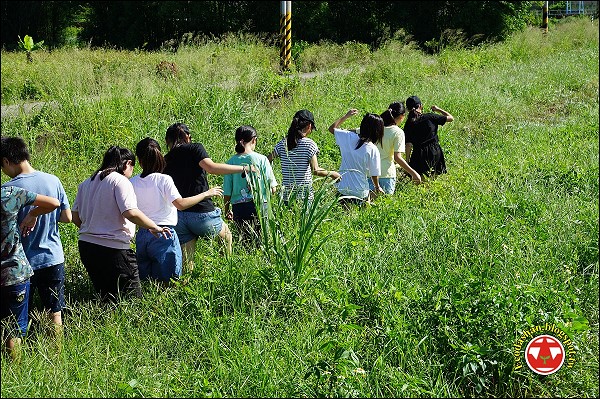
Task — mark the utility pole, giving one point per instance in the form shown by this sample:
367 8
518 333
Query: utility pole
285 31
545 17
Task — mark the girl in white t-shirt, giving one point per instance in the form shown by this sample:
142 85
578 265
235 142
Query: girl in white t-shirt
360 157
159 199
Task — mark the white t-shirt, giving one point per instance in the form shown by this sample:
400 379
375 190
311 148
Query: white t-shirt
155 195
100 204
357 165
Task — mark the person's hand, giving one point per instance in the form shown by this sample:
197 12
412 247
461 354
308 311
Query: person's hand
161 232
28 224
229 215
351 112
435 108
335 176
216 191
417 179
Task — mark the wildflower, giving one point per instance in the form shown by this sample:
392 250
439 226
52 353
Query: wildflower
359 371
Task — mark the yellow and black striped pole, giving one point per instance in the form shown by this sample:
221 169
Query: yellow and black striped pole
285 22
545 17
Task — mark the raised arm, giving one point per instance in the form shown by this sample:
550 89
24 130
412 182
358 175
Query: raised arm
215 168
341 120
449 118
187 202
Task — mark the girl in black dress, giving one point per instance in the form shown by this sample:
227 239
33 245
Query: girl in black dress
422 144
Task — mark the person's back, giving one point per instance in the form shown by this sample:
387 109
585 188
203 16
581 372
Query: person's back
295 167
43 246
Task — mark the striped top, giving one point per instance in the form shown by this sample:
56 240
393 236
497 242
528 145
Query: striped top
295 167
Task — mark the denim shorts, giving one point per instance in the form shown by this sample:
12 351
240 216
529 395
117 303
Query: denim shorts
50 284
388 184
158 258
15 304
191 225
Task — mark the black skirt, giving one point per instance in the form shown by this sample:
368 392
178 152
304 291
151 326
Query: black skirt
428 159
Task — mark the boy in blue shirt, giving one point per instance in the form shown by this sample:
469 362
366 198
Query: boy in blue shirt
43 246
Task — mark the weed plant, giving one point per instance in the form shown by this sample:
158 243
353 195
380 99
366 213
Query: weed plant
424 293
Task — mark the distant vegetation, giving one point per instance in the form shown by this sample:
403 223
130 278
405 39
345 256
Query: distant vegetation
151 25
422 294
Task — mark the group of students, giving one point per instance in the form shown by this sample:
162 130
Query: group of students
170 201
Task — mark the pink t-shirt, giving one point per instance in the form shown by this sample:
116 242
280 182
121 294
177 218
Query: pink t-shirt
100 204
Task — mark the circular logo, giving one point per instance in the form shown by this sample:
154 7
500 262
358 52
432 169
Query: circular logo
544 354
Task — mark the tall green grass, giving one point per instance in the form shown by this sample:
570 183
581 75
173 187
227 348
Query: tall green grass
424 293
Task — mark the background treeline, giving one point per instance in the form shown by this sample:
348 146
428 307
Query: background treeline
150 25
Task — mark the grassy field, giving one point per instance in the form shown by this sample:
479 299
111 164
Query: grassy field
425 293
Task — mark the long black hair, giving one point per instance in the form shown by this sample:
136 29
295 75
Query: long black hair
295 132
394 110
115 159
244 134
150 156
371 130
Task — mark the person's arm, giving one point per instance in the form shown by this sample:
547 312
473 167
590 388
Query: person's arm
378 190
409 148
76 220
138 217
271 156
187 202
65 216
449 118
318 171
227 210
341 120
416 178
43 204
215 168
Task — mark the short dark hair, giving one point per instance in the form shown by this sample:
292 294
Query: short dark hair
14 150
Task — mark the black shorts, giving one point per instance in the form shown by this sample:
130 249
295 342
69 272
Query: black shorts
114 272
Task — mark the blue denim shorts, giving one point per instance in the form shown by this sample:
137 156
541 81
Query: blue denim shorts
50 284
191 225
388 184
15 304
158 258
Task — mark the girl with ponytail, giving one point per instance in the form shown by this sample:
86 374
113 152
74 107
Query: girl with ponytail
240 198
298 155
106 211
360 157
159 199
423 150
391 149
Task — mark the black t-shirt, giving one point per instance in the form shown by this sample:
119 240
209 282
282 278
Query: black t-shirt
424 130
189 177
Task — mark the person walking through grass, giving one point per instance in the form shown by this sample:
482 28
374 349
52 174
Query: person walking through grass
360 157
106 211
43 247
159 199
15 269
298 155
239 195
423 150
392 148
188 163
